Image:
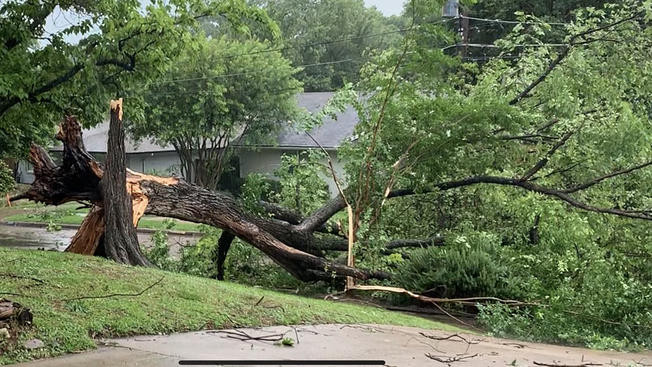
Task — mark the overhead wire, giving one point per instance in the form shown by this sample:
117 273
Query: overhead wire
345 39
509 21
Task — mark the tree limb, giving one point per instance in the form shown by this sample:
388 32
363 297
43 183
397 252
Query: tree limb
529 186
597 180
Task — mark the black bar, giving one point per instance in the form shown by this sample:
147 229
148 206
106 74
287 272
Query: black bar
272 362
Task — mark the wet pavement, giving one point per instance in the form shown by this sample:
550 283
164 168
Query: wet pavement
37 237
396 346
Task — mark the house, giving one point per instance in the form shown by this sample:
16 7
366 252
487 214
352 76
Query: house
149 157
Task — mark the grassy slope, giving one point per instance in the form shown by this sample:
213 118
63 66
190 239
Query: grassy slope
179 303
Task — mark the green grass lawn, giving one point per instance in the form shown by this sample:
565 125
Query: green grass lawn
178 303
69 214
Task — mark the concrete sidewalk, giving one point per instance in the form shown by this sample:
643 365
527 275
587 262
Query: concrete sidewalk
398 346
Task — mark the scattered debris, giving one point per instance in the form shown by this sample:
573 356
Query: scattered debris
14 276
452 338
12 312
267 306
13 318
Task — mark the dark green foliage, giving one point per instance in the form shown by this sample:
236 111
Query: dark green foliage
470 267
110 47
7 182
225 92
302 186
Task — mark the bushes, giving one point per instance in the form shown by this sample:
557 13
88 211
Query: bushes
468 267
7 182
195 260
604 309
588 295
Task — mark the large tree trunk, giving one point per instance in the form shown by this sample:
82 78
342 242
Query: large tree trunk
120 238
78 178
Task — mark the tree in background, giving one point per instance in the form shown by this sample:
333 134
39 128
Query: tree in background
110 47
341 32
7 182
219 92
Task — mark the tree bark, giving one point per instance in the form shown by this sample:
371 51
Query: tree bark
120 239
223 246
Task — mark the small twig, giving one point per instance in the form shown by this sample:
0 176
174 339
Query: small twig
567 365
516 345
275 306
449 337
260 300
451 316
116 294
447 359
243 336
7 275
13 294
296 334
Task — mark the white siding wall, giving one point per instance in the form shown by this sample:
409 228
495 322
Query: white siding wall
25 172
262 161
164 163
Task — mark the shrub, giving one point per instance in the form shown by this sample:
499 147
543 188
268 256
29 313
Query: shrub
7 182
467 267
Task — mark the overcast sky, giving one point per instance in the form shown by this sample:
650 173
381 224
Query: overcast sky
387 7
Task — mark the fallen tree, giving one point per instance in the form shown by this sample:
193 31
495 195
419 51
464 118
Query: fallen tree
79 177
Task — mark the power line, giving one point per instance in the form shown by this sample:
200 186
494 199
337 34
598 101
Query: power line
252 72
474 45
482 45
510 21
344 39
350 38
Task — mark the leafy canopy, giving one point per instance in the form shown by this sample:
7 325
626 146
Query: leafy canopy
114 45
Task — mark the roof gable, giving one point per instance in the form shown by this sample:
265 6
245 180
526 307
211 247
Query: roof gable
331 134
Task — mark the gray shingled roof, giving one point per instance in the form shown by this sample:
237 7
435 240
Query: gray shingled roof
331 134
